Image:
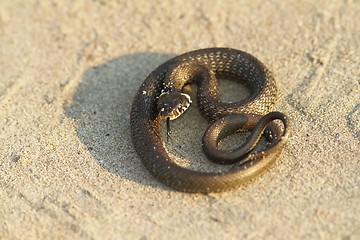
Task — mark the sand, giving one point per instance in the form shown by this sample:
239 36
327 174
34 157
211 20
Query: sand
70 70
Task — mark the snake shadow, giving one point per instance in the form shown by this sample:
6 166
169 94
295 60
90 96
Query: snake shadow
101 107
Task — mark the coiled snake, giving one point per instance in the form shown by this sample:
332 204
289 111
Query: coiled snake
160 99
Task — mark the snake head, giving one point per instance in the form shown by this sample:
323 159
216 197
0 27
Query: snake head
172 104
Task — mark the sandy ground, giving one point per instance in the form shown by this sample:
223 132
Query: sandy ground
69 72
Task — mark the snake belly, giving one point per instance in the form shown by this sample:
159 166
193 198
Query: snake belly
221 63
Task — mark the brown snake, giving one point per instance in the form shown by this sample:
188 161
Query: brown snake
160 99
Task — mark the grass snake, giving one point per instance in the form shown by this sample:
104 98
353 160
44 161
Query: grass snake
160 98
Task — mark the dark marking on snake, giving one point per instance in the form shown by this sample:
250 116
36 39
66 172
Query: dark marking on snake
160 98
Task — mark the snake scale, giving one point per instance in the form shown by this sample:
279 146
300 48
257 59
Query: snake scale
160 98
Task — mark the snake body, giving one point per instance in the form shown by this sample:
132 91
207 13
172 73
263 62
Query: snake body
163 87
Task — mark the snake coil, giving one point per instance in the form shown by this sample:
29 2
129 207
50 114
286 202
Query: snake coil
160 98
